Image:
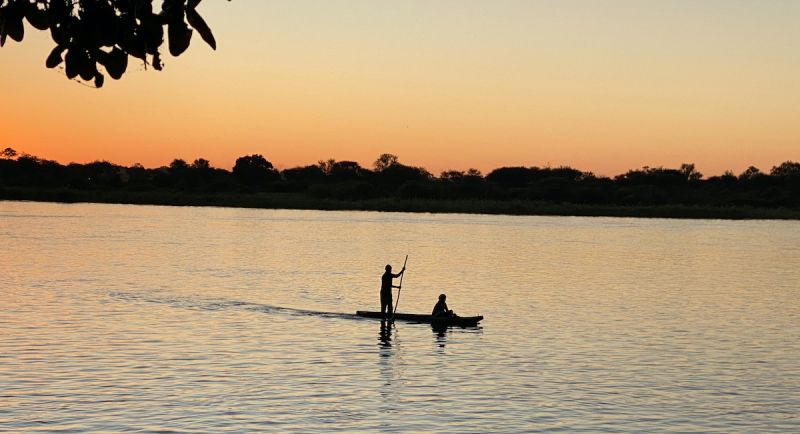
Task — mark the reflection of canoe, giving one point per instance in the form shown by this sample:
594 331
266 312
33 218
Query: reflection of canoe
463 321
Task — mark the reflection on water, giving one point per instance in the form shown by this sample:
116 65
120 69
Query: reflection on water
140 318
440 334
385 336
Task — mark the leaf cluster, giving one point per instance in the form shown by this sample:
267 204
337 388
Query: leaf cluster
95 35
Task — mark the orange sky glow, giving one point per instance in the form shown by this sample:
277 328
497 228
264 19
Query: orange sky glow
602 86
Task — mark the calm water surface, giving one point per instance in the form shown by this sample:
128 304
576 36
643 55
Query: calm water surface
158 319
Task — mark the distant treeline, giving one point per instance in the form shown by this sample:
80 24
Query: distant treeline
389 179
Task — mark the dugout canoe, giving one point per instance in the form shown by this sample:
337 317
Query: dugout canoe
462 321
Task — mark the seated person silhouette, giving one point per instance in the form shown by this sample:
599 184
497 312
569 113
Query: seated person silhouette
441 308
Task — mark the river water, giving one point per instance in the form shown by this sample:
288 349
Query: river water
119 318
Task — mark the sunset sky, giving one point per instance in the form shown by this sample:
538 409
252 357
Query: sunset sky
604 86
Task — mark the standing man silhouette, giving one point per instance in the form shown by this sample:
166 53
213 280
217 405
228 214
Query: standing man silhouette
386 290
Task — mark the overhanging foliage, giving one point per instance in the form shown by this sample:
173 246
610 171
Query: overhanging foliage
95 35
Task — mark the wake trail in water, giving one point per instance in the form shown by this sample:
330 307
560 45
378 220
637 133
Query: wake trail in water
183 302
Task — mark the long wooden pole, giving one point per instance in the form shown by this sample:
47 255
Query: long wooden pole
399 287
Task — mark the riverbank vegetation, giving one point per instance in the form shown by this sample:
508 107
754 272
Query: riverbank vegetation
392 186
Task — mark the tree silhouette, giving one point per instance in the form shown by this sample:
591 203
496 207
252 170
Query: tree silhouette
93 33
396 175
384 162
345 170
201 164
451 175
9 153
688 170
512 177
787 168
301 177
178 165
750 173
254 170
326 166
